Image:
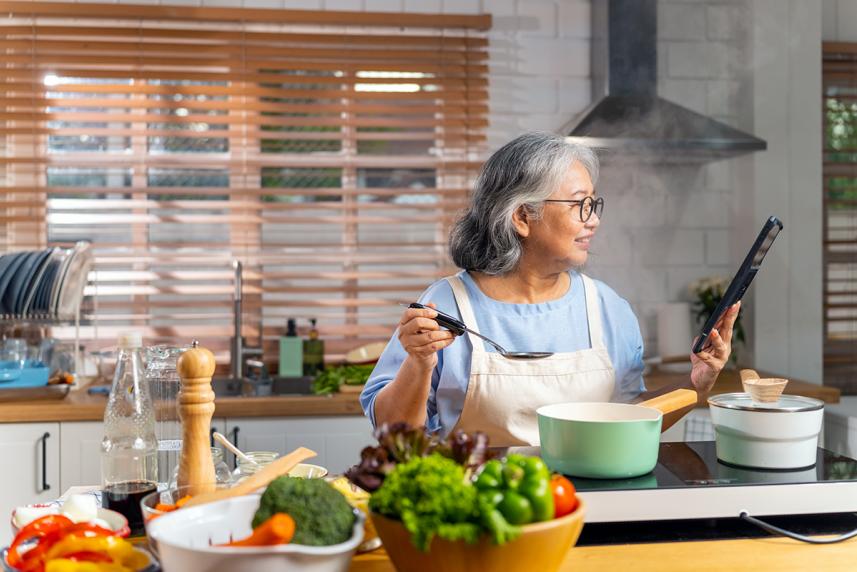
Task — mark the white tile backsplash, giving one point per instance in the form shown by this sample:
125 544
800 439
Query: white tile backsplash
681 21
575 19
537 18
553 57
669 246
717 251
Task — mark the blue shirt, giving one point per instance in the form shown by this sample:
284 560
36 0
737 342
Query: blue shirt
556 326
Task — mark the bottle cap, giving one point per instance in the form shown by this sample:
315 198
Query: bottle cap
130 340
291 328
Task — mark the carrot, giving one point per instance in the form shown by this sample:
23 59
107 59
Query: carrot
181 502
165 507
279 529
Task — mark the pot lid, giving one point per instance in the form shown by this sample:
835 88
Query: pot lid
785 404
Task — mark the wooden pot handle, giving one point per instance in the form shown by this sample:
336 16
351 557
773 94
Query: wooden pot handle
674 405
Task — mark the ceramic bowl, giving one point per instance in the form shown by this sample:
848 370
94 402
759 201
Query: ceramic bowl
541 546
767 390
308 471
116 520
188 539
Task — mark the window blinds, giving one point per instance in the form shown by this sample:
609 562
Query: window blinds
840 214
327 151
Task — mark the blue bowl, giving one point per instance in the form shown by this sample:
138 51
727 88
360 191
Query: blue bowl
10 370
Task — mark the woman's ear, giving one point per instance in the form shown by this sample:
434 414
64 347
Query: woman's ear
521 221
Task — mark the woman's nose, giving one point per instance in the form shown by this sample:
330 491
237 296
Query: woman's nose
593 222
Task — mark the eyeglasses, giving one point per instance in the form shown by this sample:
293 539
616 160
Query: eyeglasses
586 206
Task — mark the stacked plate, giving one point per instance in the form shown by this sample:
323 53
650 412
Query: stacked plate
44 284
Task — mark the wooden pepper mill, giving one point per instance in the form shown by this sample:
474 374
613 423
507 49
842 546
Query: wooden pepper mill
196 407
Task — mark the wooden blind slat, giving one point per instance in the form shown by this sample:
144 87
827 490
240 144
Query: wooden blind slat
213 14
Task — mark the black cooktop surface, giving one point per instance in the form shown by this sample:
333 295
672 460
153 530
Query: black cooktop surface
695 464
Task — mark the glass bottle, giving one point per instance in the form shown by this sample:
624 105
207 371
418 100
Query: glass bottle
245 469
313 352
129 449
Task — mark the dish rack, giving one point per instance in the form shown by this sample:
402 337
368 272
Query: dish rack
43 288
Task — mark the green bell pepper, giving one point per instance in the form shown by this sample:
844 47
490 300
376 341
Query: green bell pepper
519 487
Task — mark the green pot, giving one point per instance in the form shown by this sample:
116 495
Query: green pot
600 440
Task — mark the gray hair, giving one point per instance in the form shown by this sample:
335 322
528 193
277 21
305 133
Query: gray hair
522 173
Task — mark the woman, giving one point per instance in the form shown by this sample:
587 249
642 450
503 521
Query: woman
527 231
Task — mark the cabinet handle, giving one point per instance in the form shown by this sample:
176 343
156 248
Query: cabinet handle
44 440
234 440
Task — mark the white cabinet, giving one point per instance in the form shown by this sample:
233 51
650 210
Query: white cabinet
338 440
31 468
80 459
80 456
840 426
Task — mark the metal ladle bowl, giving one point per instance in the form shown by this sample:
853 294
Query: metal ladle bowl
458 328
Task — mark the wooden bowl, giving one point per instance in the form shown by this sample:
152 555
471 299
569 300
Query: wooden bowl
765 390
365 354
542 546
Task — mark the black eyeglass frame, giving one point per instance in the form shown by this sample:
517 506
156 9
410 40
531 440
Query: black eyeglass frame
597 206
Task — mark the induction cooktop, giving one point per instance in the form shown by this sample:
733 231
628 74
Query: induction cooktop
690 483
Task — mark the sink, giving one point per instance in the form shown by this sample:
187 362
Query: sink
232 387
227 386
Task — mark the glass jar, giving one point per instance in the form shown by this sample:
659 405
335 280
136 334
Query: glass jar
164 385
245 469
221 470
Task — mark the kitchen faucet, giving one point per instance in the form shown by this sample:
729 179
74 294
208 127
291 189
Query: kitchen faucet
237 351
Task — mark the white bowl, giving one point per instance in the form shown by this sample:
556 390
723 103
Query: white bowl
185 538
308 471
116 520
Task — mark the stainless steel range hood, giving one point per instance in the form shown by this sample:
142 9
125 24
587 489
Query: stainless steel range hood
628 118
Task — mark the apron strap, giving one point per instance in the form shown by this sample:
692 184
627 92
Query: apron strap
593 312
459 292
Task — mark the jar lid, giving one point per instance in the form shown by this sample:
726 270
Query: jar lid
785 404
130 339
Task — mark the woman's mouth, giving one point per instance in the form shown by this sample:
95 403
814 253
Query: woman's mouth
583 242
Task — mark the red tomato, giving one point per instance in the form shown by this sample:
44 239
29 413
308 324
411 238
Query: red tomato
564 498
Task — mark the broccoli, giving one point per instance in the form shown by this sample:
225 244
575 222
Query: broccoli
322 515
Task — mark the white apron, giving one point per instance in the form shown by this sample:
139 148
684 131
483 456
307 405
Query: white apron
503 394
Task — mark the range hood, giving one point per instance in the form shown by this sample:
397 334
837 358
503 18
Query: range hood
628 118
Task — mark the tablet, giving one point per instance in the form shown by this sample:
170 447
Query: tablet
742 278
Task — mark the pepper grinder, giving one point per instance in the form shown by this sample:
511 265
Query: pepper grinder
196 407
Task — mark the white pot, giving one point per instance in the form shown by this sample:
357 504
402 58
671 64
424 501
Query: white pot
778 435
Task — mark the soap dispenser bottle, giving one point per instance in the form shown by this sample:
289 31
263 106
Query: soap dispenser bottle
291 352
313 352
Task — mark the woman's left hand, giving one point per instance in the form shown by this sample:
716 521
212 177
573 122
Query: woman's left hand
708 363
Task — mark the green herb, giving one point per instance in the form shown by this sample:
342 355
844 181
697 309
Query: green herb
431 497
322 515
329 380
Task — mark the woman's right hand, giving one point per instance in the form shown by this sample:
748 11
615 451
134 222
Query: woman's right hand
422 337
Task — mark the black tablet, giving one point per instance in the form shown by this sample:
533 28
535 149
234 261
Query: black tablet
742 278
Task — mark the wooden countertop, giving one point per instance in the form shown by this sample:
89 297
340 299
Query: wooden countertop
80 406
778 554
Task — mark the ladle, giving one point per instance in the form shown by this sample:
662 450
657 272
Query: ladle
457 327
221 438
